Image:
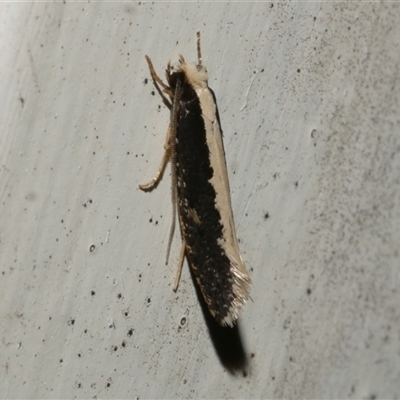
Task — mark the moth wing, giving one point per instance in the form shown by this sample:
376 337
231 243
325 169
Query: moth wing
221 182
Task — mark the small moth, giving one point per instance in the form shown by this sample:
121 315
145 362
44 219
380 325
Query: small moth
200 189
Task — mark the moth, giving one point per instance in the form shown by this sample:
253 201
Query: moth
200 189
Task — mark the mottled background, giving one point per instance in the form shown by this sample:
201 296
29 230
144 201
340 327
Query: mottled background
309 100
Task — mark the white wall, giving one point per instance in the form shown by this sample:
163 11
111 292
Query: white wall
309 100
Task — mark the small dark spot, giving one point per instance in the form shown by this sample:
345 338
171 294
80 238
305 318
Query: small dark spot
79 385
115 348
273 378
291 359
79 355
85 331
183 321
119 296
145 81
92 292
151 220
148 300
372 397
296 184
123 344
71 321
130 332
271 5
262 70
266 215
61 360
153 93
127 153
298 70
92 248
314 134
308 291
244 374
252 355
315 18
286 323
62 221
109 382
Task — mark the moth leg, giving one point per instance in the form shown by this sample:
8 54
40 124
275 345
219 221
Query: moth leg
157 81
157 177
172 128
181 59
180 265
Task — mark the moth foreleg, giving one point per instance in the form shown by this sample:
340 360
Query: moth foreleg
157 177
180 265
157 81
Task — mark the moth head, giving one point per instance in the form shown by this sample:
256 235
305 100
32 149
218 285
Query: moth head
194 75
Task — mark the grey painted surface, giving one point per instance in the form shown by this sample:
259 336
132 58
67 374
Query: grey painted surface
309 100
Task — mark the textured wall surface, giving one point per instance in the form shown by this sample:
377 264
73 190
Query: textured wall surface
308 95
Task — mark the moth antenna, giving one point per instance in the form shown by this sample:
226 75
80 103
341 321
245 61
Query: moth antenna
182 59
173 124
198 49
